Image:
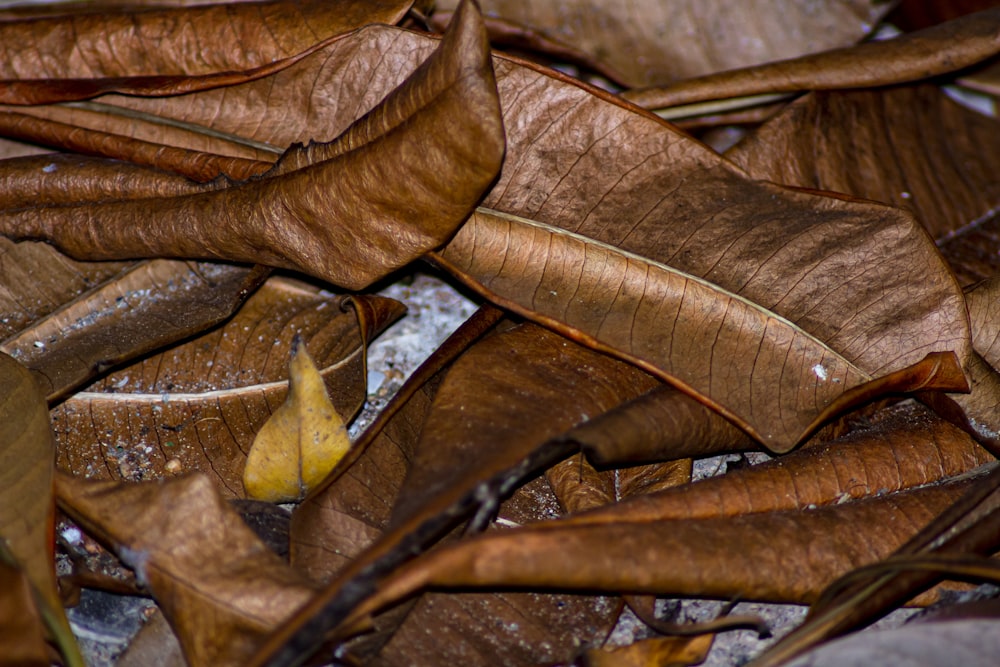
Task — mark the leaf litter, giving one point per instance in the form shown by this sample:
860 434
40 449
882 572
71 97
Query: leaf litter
817 304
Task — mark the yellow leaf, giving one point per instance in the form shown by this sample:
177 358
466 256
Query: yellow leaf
300 443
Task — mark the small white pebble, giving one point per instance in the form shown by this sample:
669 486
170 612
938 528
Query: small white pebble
72 535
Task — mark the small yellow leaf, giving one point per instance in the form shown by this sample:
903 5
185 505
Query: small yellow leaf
301 442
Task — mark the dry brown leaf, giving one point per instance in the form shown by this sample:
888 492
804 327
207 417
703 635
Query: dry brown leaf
170 51
27 509
663 423
822 373
219 586
284 219
846 142
198 406
782 556
649 42
181 42
937 50
905 448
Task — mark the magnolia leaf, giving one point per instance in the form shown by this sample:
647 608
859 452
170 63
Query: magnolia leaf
649 42
316 196
841 141
936 50
301 442
198 406
782 556
163 52
221 588
26 495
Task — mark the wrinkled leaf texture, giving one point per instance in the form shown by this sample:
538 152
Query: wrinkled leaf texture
782 556
27 504
284 218
934 51
649 42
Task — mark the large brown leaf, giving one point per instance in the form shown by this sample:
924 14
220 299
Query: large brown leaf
189 41
906 447
782 281
199 405
782 556
220 586
171 51
842 141
651 42
303 215
621 302
937 50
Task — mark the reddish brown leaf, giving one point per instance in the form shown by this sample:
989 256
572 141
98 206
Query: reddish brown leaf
284 220
782 556
937 50
843 141
905 448
650 42
170 51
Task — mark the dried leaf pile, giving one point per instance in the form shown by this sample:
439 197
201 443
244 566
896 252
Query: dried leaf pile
799 262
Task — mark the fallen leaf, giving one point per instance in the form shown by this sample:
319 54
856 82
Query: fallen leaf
930 52
654 43
906 447
782 556
641 293
284 220
300 442
843 140
198 406
219 586
183 41
27 509
166 51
